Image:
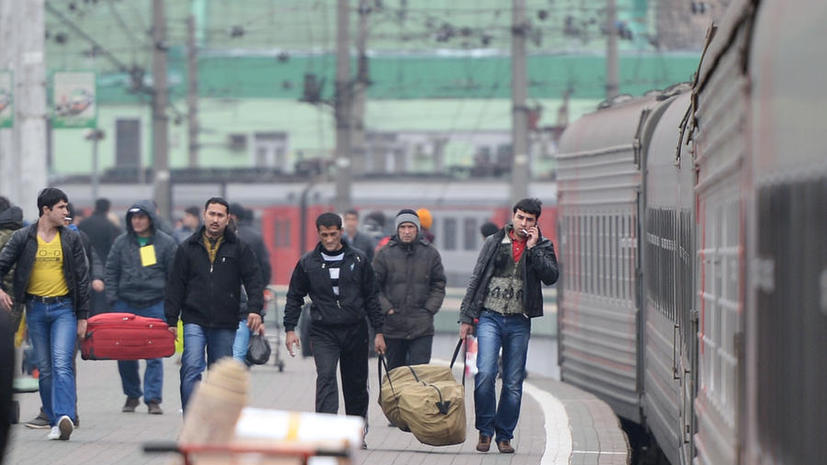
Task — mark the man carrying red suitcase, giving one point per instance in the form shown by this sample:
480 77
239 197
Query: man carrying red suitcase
52 277
204 290
137 269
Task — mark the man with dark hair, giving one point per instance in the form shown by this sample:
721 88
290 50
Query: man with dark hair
204 291
243 220
488 228
52 277
411 284
355 238
137 269
189 224
102 234
11 219
342 286
503 294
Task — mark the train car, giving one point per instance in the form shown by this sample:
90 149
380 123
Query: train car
286 210
785 341
598 185
732 322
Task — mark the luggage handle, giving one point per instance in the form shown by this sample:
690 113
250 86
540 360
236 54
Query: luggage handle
381 361
464 358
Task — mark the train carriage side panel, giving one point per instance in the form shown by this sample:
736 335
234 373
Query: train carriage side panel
720 150
787 293
667 276
598 186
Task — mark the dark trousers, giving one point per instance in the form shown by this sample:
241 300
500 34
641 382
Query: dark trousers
347 346
401 352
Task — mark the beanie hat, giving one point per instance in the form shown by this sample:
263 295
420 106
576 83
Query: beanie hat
406 216
425 218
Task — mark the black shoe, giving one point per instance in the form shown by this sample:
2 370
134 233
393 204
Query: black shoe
41 421
130 404
154 408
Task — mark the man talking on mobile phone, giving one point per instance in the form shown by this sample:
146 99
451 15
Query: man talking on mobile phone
504 293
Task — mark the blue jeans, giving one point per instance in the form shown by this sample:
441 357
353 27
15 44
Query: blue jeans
154 373
242 341
218 343
53 332
494 331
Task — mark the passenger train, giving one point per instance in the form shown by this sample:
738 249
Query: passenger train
692 226
286 210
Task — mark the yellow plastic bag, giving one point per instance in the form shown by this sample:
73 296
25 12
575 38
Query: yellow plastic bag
20 334
179 338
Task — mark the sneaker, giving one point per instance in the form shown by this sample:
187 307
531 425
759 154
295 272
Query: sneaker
62 430
130 404
154 408
505 447
484 443
41 421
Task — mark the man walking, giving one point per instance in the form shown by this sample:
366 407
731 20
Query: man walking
411 289
53 279
341 283
503 294
356 239
204 291
101 233
137 269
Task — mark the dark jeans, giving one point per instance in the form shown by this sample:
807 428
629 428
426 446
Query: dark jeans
130 373
347 346
408 351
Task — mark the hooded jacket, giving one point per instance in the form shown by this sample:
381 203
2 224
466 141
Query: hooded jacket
208 294
357 291
411 281
126 277
539 266
21 250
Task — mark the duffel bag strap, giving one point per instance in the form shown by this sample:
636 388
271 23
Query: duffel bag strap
464 359
382 362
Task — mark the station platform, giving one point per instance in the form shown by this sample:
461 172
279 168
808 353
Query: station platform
559 424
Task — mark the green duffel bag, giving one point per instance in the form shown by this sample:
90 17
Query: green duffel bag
425 400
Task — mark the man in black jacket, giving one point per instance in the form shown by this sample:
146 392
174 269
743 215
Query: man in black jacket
341 283
411 289
204 291
137 270
52 277
504 293
101 233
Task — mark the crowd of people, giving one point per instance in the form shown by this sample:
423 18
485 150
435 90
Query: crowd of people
368 290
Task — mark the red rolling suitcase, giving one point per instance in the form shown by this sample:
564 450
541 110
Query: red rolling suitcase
125 336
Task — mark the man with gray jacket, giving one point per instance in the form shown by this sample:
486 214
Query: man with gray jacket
411 284
136 273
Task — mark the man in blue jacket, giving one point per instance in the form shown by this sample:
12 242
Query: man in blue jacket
204 290
340 281
137 269
503 294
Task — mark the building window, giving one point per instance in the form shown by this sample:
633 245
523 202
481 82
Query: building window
270 149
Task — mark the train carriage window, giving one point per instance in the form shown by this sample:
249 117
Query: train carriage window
471 233
450 233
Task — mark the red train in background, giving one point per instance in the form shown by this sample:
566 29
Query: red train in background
286 211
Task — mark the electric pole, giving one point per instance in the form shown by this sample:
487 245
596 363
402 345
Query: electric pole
342 107
23 148
192 92
520 170
161 187
359 90
612 84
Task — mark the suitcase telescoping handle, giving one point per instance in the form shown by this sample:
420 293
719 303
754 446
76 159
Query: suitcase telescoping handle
383 363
